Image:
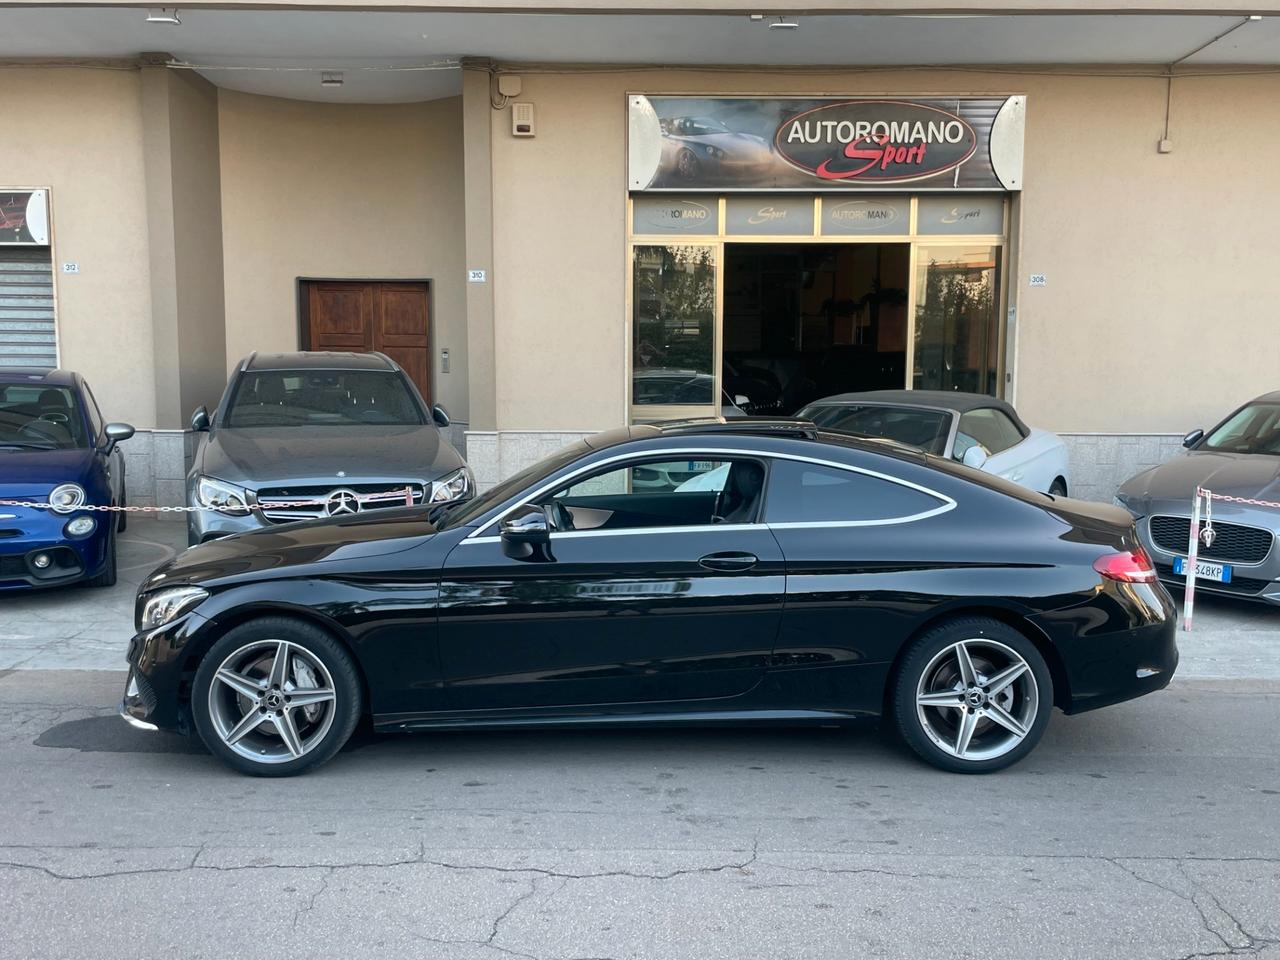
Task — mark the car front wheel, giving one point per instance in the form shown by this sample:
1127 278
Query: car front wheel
973 696
276 697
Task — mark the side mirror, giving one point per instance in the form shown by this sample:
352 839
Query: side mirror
1192 438
975 457
116 433
526 534
440 416
200 420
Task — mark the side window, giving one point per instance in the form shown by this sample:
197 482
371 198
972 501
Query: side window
662 493
801 492
988 427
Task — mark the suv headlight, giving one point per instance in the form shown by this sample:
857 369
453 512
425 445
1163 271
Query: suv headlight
224 497
66 497
453 487
166 605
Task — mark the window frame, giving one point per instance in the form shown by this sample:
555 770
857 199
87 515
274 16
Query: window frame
479 534
996 411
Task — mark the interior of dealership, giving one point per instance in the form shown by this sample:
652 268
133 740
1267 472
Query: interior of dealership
553 247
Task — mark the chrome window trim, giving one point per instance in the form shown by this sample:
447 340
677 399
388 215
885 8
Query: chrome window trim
689 453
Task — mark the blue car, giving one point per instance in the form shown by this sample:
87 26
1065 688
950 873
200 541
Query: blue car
56 449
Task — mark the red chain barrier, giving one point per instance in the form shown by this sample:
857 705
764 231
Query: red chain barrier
274 505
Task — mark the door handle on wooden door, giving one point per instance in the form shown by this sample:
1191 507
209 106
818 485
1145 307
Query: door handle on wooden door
730 562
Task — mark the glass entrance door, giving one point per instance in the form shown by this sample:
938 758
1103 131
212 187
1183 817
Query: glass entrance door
955 345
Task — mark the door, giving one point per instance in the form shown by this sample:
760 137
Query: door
664 586
391 317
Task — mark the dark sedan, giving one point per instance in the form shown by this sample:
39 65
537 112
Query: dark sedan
826 579
58 460
1239 458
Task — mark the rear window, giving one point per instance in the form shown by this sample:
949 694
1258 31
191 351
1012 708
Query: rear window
292 398
926 429
801 492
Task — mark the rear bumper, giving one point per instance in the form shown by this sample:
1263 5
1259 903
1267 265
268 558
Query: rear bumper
1128 654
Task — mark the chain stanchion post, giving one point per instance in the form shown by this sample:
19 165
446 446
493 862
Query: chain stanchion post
1193 555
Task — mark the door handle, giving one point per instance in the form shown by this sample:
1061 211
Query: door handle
730 562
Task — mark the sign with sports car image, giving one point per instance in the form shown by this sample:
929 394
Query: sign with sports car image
811 143
24 218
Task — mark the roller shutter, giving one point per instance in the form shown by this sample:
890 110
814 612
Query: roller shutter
28 337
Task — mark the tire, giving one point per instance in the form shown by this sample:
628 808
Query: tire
288 740
932 667
1058 488
123 522
110 571
687 165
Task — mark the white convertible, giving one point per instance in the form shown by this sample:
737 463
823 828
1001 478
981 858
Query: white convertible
975 429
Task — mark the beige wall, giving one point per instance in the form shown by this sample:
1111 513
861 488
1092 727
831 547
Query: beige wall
337 191
1157 316
79 132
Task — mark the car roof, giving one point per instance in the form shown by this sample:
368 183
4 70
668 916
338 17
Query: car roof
317 360
780 428
38 375
933 399
1272 397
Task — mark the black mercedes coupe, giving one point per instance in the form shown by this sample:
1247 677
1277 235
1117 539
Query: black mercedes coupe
821 578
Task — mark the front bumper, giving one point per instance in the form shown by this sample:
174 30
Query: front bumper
30 533
158 688
1249 581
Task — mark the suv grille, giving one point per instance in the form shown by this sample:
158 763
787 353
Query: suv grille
1234 543
271 500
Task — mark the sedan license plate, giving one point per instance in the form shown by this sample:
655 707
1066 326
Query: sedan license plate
1221 572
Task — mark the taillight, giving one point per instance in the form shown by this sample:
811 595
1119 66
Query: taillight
1131 567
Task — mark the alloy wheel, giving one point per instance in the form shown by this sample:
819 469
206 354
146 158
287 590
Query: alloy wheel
272 701
977 699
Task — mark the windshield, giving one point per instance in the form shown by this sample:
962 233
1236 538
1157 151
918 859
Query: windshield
927 429
41 418
470 510
1253 429
317 398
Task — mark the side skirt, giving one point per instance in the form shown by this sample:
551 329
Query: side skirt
700 718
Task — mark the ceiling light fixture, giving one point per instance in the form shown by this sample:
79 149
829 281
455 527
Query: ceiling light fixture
163 15
331 78
780 24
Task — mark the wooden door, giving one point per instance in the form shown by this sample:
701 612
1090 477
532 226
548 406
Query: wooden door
392 317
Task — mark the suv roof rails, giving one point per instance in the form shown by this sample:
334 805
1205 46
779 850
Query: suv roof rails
761 427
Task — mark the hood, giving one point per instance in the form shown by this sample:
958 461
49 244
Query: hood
39 471
290 548
264 456
1255 476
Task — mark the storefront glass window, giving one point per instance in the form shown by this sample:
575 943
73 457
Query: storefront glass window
957 304
673 322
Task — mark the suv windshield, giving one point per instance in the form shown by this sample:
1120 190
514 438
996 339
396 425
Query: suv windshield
316 398
926 429
465 512
40 417
1253 429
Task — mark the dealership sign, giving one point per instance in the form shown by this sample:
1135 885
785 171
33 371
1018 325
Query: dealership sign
794 143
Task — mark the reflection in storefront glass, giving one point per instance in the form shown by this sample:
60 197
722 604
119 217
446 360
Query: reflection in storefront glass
956 319
673 321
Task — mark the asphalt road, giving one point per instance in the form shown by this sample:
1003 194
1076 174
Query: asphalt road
1148 830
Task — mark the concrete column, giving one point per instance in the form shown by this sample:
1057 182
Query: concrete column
478 163
184 220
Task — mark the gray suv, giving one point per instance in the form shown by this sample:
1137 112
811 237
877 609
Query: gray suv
303 436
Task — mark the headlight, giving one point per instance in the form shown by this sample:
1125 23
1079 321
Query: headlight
67 497
164 606
80 526
453 487
224 497
715 153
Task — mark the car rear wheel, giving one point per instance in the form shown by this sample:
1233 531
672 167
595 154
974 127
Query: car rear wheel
973 696
276 697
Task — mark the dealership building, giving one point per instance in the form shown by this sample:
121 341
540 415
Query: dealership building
562 217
